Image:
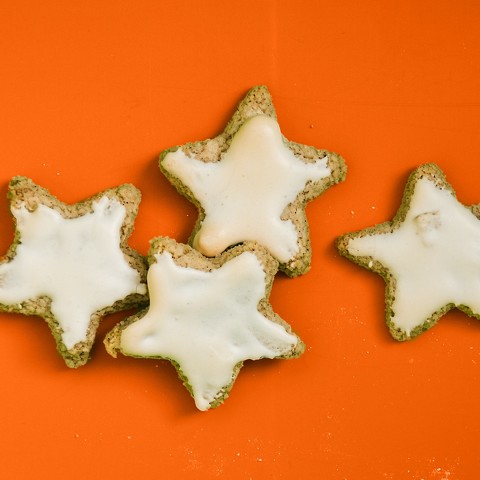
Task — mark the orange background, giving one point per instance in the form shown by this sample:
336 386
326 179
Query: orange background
92 91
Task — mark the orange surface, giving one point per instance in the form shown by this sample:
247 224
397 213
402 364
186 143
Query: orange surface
91 92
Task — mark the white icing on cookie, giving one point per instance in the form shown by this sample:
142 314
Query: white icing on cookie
434 256
76 262
206 322
245 193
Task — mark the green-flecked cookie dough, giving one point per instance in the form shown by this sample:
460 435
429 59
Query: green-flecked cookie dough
71 264
251 184
428 255
207 316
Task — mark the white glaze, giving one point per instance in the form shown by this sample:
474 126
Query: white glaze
434 256
245 194
207 322
76 262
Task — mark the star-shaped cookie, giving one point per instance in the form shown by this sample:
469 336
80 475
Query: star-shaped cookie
251 184
207 316
429 255
71 264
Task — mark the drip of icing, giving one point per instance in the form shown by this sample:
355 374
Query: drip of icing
207 322
245 193
76 262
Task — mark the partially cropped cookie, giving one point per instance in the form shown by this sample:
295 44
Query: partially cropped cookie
429 255
71 264
207 316
251 184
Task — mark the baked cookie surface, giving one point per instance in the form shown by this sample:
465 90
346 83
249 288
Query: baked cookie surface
70 264
251 184
207 316
428 255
